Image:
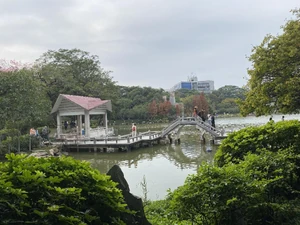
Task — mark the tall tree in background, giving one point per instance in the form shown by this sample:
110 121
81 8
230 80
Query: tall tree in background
201 102
188 105
23 102
164 108
153 109
74 72
23 99
178 110
274 82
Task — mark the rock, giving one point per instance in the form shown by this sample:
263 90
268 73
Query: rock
133 202
44 153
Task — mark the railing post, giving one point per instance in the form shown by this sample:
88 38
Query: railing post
95 148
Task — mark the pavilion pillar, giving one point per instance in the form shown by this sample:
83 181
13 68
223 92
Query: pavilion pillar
105 122
79 124
87 123
58 128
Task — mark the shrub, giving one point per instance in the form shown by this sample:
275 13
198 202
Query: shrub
255 180
271 137
158 213
256 191
56 191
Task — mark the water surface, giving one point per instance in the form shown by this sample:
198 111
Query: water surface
167 166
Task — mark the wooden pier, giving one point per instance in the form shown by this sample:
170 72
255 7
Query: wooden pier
123 143
127 142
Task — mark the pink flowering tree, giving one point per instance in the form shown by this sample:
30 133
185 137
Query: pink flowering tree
13 65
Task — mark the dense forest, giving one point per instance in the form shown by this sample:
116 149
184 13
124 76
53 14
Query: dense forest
27 92
146 103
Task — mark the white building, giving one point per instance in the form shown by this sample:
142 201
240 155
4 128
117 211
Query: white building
206 86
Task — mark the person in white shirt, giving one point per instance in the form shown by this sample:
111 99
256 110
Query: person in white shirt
133 130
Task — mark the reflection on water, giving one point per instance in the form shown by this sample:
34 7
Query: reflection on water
164 166
167 166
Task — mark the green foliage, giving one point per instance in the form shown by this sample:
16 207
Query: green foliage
272 137
158 213
255 179
274 77
135 103
23 100
258 190
74 72
56 191
223 100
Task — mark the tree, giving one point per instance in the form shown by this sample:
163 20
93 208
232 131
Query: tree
200 102
74 72
178 110
228 105
188 105
153 108
164 108
23 101
12 65
275 74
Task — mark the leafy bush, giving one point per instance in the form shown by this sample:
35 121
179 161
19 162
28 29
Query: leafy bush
158 213
255 180
272 137
256 191
57 191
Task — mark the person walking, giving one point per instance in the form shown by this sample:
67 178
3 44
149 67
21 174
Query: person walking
282 118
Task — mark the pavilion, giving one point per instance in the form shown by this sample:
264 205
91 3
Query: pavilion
80 106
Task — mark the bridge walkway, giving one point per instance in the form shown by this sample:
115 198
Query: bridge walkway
197 121
143 139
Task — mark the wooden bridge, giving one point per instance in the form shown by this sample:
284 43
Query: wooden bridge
127 142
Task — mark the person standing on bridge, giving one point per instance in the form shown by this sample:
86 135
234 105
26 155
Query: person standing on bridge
202 114
195 112
213 121
133 130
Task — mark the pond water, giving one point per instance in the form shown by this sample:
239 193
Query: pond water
167 166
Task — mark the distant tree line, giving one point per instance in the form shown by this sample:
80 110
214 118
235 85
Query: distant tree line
28 92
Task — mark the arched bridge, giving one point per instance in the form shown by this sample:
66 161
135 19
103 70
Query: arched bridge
142 139
198 122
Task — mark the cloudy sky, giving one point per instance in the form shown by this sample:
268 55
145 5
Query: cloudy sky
146 42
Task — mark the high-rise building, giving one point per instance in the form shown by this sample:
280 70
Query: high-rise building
206 86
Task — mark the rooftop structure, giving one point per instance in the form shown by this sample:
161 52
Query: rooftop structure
80 106
206 86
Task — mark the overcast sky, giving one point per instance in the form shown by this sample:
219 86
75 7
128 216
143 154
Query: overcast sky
146 42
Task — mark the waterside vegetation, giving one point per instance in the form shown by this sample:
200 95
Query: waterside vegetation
254 179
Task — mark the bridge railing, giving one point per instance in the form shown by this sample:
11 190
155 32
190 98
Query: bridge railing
209 128
193 121
172 126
